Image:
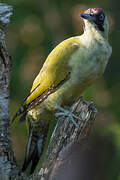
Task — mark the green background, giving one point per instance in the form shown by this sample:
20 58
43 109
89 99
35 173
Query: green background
36 27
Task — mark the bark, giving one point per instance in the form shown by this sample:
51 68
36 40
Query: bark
8 167
65 136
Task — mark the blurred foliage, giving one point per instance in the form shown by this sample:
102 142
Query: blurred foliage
36 27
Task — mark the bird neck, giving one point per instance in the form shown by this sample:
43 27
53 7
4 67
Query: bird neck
91 33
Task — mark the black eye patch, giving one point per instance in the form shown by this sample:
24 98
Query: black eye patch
99 20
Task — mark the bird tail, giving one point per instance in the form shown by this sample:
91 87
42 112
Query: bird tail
34 150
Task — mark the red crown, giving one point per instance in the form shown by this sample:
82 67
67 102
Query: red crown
93 10
96 10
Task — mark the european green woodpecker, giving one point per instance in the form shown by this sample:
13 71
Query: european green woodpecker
69 69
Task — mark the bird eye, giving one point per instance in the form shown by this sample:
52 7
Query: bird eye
101 17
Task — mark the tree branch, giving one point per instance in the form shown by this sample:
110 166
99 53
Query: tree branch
65 137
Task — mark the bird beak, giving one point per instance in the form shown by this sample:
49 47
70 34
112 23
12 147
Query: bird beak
86 16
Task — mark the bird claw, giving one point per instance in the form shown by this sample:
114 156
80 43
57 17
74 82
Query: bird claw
94 110
64 112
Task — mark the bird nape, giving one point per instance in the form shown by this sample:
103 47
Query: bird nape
69 69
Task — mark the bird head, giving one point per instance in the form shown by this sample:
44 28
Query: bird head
97 18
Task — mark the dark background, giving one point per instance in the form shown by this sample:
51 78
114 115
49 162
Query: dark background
36 27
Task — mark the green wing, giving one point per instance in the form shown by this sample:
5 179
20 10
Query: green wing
55 69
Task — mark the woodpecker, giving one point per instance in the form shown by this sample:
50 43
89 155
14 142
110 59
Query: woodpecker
69 69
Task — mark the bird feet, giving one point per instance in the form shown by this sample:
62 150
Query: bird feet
64 112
